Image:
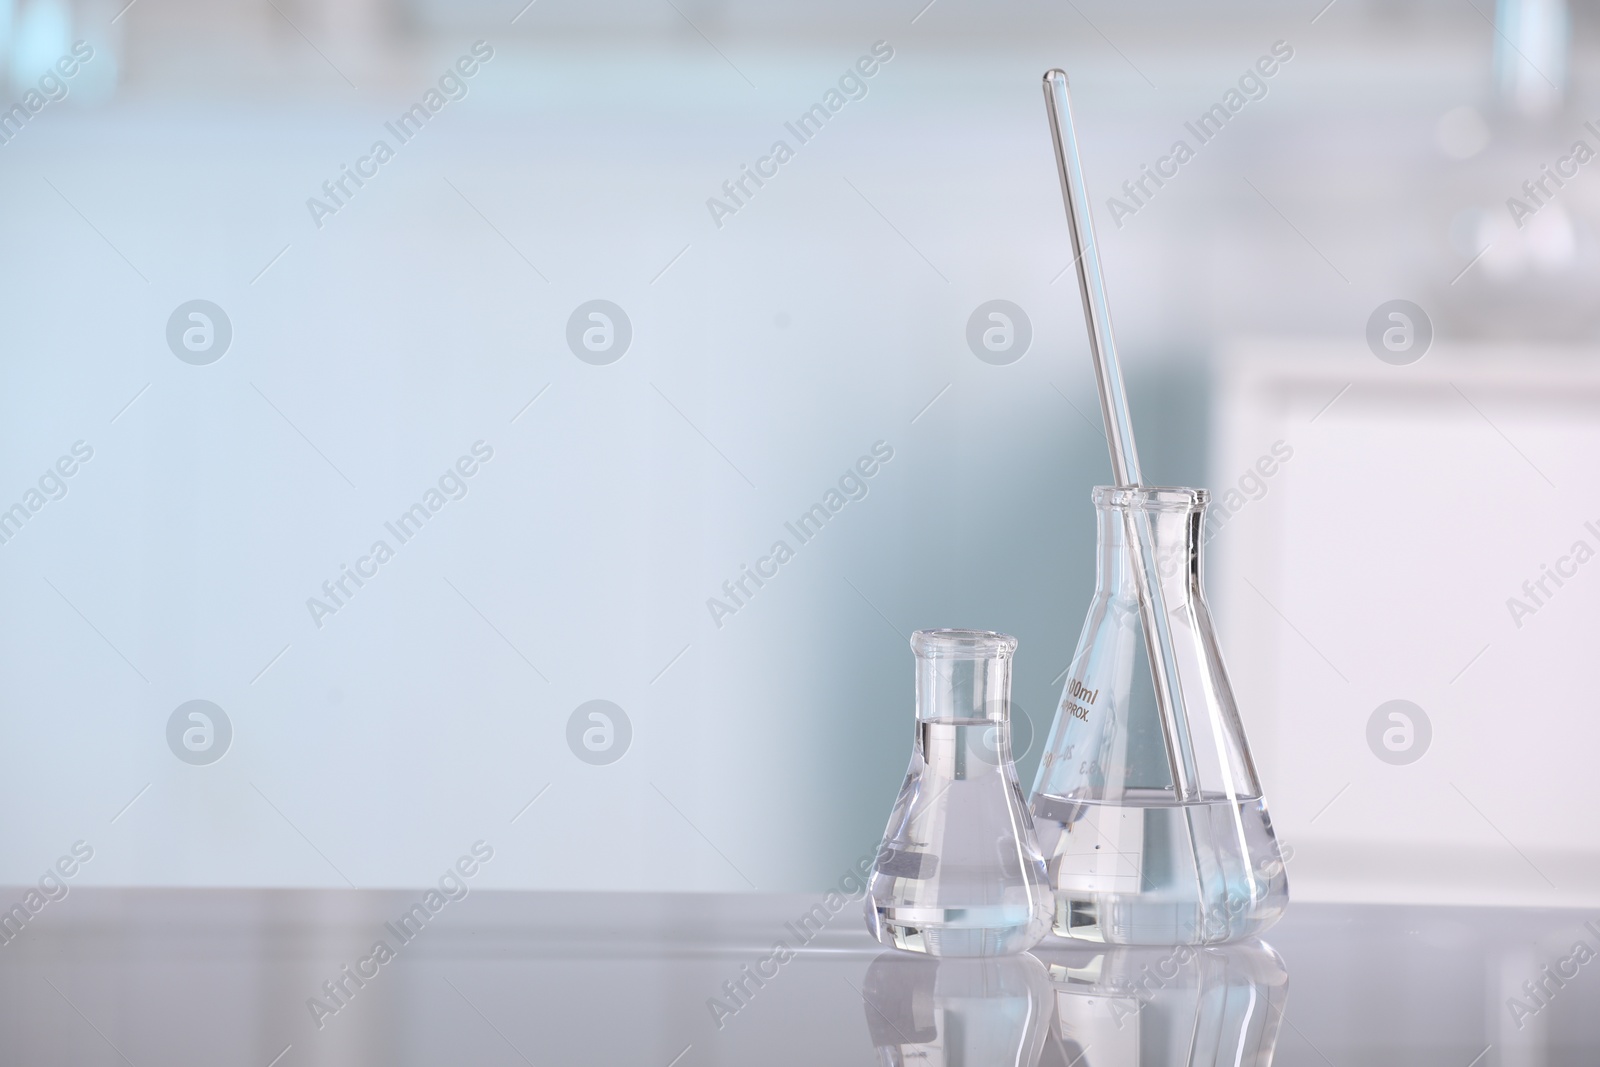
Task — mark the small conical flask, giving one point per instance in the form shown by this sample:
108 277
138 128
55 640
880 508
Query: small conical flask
1177 1006
959 872
1147 804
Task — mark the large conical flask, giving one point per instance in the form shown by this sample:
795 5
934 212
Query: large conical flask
1147 805
959 872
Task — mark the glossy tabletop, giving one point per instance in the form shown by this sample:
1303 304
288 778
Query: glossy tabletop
288 977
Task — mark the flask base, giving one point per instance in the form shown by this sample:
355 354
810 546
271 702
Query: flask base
994 930
1112 921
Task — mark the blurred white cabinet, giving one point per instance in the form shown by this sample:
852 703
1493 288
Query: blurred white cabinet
1378 562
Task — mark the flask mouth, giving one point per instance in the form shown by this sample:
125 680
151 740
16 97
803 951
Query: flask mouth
962 644
1151 497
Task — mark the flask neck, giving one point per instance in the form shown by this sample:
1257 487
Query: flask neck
963 675
1176 519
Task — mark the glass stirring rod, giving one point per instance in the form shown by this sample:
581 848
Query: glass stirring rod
1091 283
1119 429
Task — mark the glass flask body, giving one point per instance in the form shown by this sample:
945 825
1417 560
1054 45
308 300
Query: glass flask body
1147 804
959 872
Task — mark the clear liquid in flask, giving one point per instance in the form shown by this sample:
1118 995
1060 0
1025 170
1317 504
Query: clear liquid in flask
1150 869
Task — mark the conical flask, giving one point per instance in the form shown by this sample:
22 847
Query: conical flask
959 872
1178 1006
1147 805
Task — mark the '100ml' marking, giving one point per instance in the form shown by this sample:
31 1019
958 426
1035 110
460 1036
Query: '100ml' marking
1076 692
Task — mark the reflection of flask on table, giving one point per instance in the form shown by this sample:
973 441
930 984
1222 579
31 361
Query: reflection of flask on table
955 1012
1151 818
959 872
1181 1006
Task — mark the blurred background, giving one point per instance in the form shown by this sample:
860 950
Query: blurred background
242 341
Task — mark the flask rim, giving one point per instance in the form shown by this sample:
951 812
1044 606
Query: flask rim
962 644
1151 497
